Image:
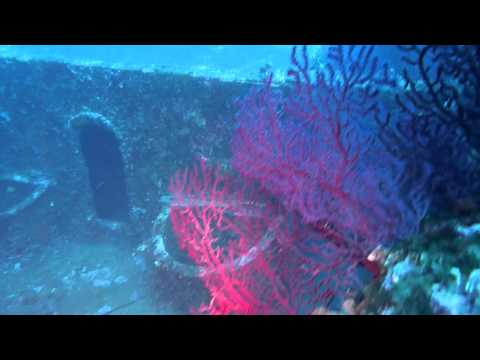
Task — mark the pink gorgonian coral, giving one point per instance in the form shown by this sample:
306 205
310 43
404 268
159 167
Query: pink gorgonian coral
318 189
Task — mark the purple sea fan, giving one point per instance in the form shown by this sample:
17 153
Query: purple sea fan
313 149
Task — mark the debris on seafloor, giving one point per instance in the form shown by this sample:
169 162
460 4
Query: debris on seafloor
35 180
103 277
104 310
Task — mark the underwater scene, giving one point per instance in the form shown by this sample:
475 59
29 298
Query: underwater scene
240 180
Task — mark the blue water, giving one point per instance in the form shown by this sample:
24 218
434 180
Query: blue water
229 62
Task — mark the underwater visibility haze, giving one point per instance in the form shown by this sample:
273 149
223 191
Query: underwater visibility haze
240 180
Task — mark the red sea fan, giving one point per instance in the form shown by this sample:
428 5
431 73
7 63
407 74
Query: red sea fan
227 234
